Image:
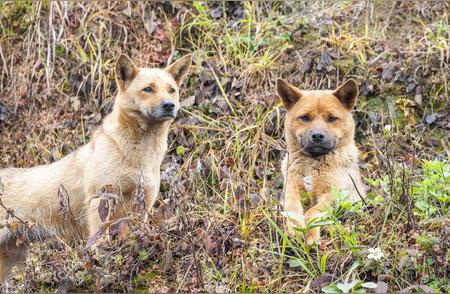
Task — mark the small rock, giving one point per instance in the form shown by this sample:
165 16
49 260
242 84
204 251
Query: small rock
430 118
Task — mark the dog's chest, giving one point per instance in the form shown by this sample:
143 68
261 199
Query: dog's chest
313 174
146 163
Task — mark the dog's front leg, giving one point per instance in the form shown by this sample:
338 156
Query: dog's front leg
292 202
151 195
316 212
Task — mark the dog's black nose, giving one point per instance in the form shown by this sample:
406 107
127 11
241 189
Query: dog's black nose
317 137
168 106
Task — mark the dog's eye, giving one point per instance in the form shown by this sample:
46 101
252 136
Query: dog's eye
172 90
332 119
148 90
304 118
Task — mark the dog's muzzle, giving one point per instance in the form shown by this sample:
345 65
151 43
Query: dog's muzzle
167 110
317 143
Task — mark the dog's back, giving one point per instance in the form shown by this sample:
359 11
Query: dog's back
32 193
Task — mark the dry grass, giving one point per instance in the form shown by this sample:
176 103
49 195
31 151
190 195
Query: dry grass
222 228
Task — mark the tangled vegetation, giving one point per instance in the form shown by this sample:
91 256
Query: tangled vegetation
218 226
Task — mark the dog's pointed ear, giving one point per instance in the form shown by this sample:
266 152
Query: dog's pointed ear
125 71
347 93
179 69
289 94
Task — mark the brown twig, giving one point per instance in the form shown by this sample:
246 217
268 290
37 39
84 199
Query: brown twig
357 190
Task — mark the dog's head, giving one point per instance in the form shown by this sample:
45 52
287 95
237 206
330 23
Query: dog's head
319 121
150 93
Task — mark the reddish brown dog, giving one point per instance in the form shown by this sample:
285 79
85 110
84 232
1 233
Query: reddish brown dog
322 154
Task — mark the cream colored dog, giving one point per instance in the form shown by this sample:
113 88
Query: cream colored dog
129 145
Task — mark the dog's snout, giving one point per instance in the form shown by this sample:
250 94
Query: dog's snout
317 142
168 106
167 109
317 137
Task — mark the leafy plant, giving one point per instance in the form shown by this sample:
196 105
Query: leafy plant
355 286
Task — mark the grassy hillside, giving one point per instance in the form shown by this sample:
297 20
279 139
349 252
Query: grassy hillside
218 226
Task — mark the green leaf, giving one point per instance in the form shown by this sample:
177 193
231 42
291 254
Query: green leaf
323 263
198 6
60 50
346 287
299 263
294 216
180 150
331 289
295 263
319 223
143 255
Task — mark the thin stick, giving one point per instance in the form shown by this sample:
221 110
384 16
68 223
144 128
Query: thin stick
356 188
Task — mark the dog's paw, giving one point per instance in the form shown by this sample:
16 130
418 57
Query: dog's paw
312 237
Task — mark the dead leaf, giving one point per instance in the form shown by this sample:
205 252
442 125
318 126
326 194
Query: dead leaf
206 239
307 65
91 241
367 88
65 285
321 281
150 23
408 108
188 102
410 87
103 209
388 72
123 230
424 288
418 96
167 260
216 13
2 112
14 227
87 265
75 102
325 62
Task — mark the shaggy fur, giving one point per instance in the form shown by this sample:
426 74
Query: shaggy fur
131 142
